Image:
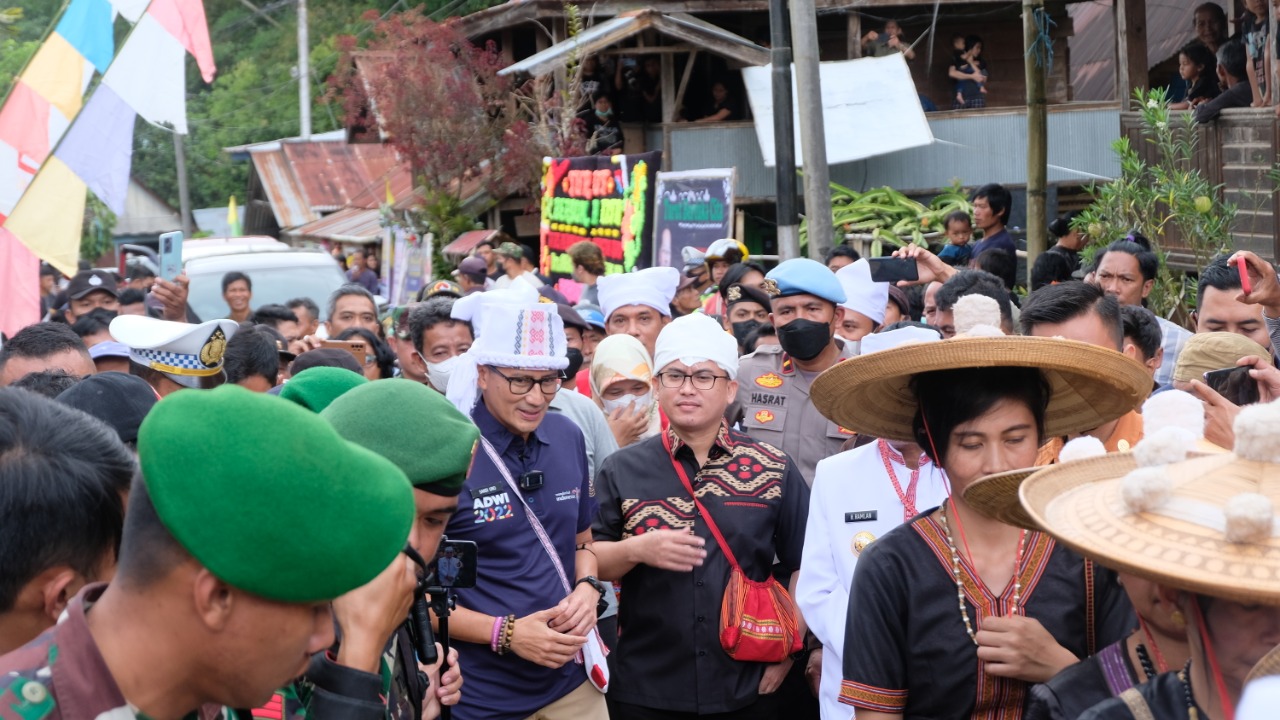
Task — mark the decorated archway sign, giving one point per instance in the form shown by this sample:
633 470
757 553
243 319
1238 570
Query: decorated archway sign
605 199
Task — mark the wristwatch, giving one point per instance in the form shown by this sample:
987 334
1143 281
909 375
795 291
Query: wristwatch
593 581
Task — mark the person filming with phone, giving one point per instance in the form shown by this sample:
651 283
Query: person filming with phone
1226 371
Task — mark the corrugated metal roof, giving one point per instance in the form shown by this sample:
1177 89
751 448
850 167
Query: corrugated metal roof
678 26
283 192
303 179
352 225
467 241
1093 45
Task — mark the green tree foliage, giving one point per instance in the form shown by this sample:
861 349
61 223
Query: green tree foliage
254 97
1167 200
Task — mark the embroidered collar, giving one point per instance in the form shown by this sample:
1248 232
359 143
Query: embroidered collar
722 441
897 457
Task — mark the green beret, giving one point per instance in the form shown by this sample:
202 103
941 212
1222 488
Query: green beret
316 387
269 497
411 425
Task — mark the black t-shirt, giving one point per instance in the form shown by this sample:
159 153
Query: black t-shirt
733 105
602 134
1055 265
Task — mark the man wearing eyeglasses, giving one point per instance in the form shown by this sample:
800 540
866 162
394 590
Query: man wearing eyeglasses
650 536
519 629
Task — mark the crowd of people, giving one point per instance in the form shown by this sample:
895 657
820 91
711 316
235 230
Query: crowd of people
671 482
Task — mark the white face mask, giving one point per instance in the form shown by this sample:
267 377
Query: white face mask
628 401
438 373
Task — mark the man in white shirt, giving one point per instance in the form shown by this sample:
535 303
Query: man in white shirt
857 497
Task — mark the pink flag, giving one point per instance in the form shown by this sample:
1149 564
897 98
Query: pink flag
184 19
19 285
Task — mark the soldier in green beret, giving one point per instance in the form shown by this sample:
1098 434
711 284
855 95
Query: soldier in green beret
373 674
249 516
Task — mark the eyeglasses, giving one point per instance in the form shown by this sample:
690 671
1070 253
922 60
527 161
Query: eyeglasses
701 380
370 359
523 384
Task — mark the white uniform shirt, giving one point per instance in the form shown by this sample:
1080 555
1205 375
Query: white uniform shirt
852 503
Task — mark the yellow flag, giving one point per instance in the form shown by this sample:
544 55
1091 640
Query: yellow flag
391 199
233 219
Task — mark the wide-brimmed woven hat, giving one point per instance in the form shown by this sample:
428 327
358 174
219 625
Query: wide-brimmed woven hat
1172 419
1207 524
996 496
1090 385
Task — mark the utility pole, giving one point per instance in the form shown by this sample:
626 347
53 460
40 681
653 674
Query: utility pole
784 143
304 73
1035 59
184 192
813 139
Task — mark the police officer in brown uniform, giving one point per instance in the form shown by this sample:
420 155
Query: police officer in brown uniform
773 382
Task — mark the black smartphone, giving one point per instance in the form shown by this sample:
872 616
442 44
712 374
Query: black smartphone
455 564
1234 384
892 269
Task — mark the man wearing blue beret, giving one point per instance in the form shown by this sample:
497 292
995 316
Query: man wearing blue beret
773 389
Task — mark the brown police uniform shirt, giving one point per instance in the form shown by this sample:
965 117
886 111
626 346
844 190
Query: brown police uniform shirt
773 406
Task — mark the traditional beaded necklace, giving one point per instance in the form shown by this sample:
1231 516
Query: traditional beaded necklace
1147 668
1184 676
955 573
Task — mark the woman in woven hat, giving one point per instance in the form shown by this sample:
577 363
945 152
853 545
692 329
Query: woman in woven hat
955 614
1171 419
1203 530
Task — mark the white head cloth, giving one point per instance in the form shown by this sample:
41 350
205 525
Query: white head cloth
862 295
694 338
470 307
511 336
890 339
654 287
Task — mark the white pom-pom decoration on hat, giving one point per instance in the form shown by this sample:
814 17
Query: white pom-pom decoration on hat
1145 489
1173 408
971 311
1250 517
1168 444
984 331
1258 433
1085 446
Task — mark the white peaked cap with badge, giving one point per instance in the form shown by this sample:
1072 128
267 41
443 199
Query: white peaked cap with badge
183 351
691 339
861 295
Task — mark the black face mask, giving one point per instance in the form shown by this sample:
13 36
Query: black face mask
742 329
804 339
575 363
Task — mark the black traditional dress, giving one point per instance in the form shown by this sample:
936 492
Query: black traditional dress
1085 684
907 650
1167 696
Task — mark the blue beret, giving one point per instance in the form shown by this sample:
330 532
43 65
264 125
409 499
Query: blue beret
802 276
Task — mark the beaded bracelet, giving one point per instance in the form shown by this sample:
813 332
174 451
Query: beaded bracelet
497 633
508 632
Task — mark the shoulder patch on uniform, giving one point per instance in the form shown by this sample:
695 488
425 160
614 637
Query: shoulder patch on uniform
764 416
769 380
